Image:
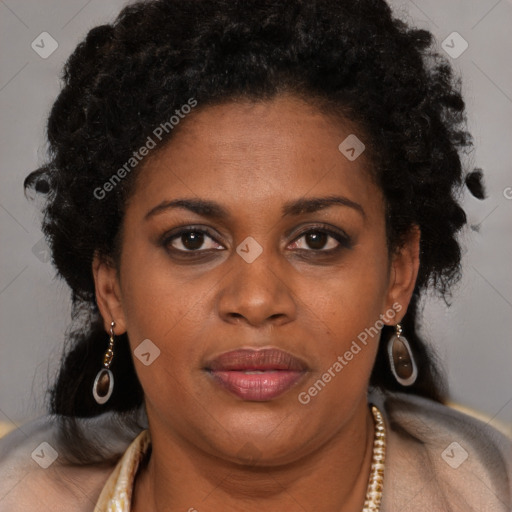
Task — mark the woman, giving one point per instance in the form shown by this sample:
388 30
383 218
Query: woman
248 200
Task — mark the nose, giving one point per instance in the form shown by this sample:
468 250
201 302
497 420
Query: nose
258 293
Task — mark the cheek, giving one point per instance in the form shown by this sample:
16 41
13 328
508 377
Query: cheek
349 314
346 306
156 306
352 296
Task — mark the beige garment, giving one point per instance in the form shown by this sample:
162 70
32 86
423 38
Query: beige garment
117 494
438 460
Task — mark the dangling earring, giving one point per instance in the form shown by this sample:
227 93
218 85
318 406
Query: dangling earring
401 358
104 381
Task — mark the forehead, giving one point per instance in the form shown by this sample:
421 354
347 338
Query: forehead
255 153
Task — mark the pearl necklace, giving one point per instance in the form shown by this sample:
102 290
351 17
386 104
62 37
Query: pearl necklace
376 480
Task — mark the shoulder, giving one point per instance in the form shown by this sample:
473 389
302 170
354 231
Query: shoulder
448 457
36 472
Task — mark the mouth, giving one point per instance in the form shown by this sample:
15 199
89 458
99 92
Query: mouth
256 374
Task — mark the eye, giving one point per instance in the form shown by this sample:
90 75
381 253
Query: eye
197 240
321 240
192 240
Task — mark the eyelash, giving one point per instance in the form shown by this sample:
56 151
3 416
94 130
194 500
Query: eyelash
344 241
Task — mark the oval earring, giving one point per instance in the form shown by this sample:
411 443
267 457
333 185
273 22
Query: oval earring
401 359
104 382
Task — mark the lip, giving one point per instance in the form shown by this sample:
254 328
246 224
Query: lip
277 371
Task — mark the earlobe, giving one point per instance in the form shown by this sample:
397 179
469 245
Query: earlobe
108 293
404 270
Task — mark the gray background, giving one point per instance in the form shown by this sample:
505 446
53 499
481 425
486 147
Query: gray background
472 337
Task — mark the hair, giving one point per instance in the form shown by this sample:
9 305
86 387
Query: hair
350 57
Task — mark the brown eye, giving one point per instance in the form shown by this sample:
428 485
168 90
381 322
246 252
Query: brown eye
321 240
316 239
191 240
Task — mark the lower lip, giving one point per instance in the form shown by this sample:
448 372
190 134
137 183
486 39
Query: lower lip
257 387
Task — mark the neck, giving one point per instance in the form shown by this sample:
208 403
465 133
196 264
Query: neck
178 476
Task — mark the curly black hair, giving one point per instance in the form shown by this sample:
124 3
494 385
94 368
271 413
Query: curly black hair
350 58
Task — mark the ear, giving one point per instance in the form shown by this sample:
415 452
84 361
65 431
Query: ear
405 264
108 293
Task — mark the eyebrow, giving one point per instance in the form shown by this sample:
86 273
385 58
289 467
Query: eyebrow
208 208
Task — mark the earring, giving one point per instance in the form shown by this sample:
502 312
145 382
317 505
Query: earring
104 381
401 358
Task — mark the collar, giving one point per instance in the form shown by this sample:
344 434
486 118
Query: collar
116 495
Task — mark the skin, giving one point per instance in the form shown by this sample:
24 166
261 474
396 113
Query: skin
251 158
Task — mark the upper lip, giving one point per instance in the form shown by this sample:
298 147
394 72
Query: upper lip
256 359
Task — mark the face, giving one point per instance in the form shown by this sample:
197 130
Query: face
258 287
